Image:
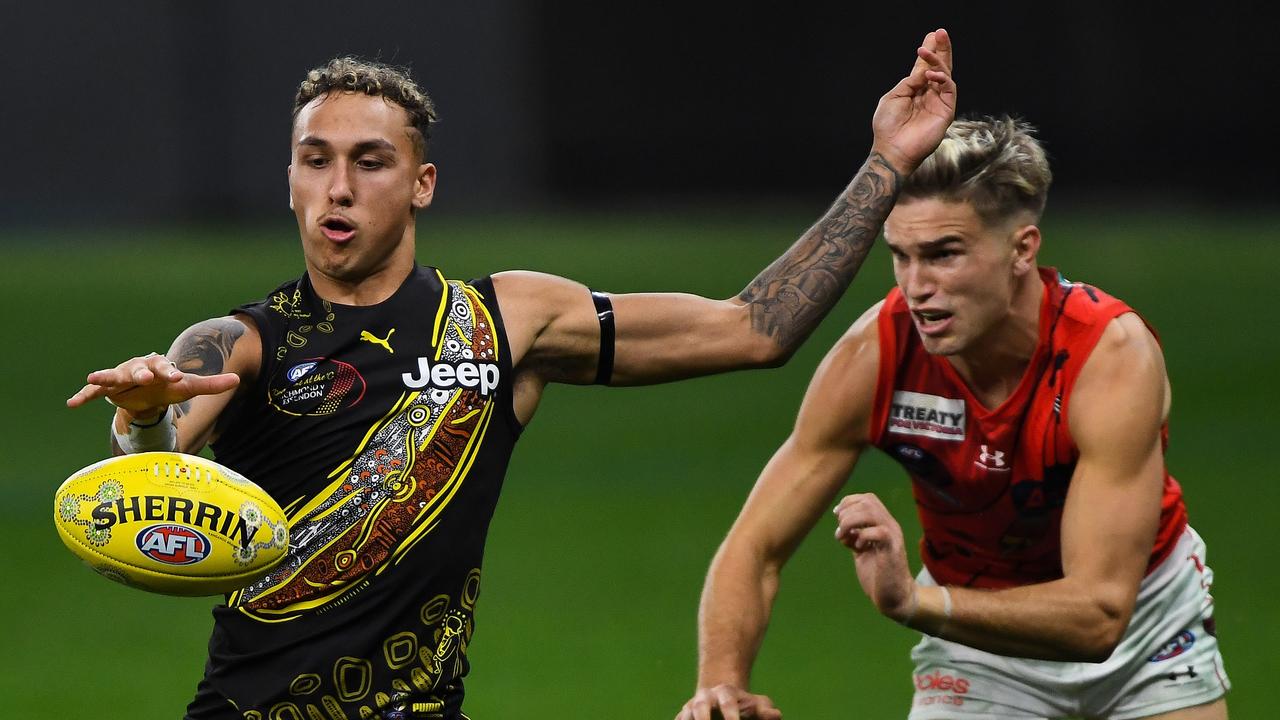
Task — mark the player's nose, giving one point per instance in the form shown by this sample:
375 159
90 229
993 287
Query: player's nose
341 192
916 281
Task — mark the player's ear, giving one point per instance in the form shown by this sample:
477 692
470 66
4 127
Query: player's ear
1026 245
288 172
424 186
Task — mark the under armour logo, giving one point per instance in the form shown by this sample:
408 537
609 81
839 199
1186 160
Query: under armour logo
991 460
384 342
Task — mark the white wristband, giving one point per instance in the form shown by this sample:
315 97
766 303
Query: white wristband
159 436
946 609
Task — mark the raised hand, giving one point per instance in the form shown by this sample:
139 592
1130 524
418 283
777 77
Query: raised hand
912 118
879 553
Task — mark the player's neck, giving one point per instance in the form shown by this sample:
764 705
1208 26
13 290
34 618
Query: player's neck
994 365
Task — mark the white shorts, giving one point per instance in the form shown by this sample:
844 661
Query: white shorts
1168 659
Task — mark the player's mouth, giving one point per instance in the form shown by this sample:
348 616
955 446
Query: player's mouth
932 322
337 229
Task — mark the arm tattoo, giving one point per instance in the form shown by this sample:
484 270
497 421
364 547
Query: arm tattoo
205 349
182 408
793 294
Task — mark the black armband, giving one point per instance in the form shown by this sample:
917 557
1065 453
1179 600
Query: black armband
604 313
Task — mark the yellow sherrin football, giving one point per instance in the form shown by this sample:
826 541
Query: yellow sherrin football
170 523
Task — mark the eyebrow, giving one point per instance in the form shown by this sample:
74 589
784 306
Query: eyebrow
929 245
360 147
940 242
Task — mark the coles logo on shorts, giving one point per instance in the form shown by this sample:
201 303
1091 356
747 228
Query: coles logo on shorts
173 544
939 689
318 386
1181 643
937 681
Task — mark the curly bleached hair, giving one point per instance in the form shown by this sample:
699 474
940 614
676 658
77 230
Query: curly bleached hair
995 164
350 74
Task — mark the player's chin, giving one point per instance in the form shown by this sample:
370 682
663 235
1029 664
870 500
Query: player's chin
339 265
944 345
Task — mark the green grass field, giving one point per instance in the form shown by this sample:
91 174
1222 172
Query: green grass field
616 498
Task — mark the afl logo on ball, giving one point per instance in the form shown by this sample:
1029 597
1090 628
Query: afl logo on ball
173 544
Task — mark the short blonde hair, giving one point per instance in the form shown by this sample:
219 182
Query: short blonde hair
995 164
351 74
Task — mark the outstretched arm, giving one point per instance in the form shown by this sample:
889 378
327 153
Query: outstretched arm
787 300
188 387
793 492
552 325
1108 525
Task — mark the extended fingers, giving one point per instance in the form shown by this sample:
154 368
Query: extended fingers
934 51
85 394
210 384
765 710
936 73
726 701
160 367
698 707
941 47
136 371
126 376
731 702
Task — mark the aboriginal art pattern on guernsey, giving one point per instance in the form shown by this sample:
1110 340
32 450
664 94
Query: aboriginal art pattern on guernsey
390 493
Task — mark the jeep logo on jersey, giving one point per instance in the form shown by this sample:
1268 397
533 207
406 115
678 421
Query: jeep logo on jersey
912 413
173 544
443 375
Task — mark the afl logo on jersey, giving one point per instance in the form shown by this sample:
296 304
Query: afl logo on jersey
299 371
319 386
173 544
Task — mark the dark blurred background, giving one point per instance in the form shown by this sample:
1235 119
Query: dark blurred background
156 110
633 147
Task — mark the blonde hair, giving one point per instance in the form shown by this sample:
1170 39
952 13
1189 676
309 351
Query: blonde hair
995 164
351 74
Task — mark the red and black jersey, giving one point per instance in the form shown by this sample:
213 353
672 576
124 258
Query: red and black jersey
990 484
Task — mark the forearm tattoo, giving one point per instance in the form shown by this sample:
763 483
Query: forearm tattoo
180 409
793 294
205 349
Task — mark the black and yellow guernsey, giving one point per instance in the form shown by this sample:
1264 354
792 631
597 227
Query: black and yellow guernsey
384 432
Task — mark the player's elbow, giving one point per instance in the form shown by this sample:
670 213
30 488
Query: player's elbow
757 352
758 344
769 354
743 555
1098 643
1103 631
